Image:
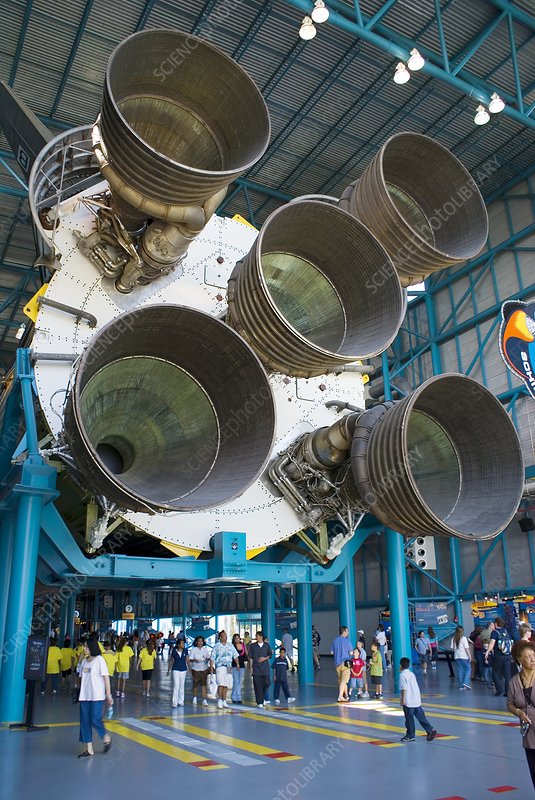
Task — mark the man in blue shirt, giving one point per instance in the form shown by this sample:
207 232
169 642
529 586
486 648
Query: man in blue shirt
342 650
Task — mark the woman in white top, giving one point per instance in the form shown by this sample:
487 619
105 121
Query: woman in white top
94 688
461 656
199 659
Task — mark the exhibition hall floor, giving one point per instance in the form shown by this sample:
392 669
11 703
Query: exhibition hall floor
318 748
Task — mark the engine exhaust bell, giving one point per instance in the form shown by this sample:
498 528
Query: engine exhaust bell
445 460
160 419
422 204
316 291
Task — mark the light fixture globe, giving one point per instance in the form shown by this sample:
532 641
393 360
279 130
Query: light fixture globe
416 61
307 30
482 116
496 103
402 74
320 13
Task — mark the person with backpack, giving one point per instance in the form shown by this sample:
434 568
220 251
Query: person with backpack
499 651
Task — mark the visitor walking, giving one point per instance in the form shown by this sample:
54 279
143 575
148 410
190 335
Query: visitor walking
280 676
521 698
53 667
461 658
499 651
433 646
146 659
316 639
342 651
94 689
288 644
124 657
178 665
222 658
199 659
380 638
376 671
238 671
259 655
411 703
423 649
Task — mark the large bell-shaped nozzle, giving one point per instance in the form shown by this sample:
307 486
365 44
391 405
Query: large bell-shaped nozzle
316 291
445 460
422 205
179 121
161 418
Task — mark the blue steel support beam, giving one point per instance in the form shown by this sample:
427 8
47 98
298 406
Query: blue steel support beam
7 537
398 600
392 47
71 608
63 616
267 600
346 601
441 37
305 663
456 577
20 43
72 55
476 43
520 16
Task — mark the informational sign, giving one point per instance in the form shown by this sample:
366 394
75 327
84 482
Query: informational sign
517 340
127 615
36 657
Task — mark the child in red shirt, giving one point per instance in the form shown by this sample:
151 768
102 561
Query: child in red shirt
357 666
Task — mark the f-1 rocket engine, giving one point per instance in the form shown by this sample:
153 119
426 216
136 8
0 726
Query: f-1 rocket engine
197 376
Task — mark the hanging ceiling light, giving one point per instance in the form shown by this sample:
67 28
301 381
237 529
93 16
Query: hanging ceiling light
482 116
401 74
496 103
320 12
307 30
416 61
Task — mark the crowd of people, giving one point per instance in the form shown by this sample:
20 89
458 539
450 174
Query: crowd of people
93 670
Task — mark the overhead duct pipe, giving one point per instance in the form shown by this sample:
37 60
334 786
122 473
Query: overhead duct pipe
422 204
316 291
444 460
159 419
180 120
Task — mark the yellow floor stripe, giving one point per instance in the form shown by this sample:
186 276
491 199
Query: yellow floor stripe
178 753
477 710
352 737
364 723
251 747
431 713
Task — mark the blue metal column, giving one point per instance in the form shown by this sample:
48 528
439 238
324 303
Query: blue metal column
7 534
456 577
267 601
19 610
398 600
305 664
63 612
71 608
347 602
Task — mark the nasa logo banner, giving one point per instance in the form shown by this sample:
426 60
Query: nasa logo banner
517 340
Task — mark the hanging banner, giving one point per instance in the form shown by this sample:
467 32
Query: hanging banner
517 340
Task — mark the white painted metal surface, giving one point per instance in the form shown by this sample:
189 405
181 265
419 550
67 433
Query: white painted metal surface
260 512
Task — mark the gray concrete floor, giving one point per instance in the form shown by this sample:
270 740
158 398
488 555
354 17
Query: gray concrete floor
338 750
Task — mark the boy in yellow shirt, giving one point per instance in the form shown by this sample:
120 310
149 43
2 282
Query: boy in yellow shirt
146 661
110 658
53 667
67 663
124 655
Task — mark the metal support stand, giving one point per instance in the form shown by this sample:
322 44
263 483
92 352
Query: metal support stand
71 608
28 722
346 601
267 595
63 620
305 664
398 600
